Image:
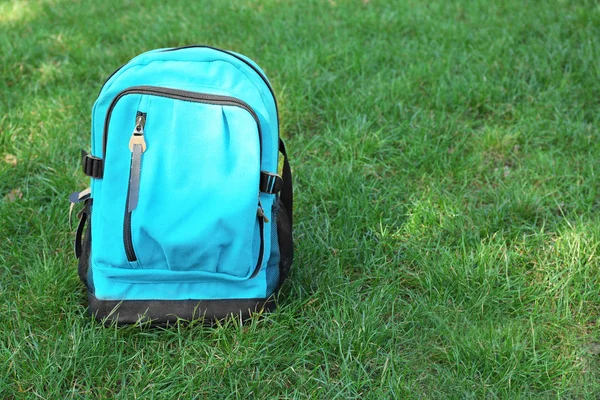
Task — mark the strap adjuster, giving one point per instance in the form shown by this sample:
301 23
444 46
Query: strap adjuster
270 183
92 166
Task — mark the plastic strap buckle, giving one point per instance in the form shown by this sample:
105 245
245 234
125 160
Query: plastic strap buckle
270 183
92 166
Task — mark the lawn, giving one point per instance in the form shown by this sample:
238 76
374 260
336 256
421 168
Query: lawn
447 232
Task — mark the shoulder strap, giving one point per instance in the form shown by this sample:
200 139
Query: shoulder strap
286 193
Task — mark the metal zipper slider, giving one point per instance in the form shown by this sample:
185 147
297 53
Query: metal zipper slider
137 137
261 212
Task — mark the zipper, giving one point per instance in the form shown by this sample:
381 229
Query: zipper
261 229
184 95
261 212
137 145
262 219
264 78
127 240
258 72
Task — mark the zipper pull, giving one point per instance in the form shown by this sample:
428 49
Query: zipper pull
137 145
261 212
137 137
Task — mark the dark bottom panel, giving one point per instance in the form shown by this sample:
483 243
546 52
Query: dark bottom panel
167 312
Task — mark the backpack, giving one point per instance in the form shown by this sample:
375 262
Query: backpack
187 216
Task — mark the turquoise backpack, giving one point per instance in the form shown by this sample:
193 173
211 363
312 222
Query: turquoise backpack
187 214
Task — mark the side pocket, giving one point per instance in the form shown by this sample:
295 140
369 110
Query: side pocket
86 248
285 242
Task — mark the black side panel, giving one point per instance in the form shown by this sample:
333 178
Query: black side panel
285 219
286 245
287 192
167 312
84 259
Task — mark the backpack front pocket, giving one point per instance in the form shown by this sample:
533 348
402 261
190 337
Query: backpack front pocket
189 201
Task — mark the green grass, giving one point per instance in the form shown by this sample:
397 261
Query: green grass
447 194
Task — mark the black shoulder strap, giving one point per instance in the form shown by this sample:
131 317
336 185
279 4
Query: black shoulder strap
83 217
286 194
